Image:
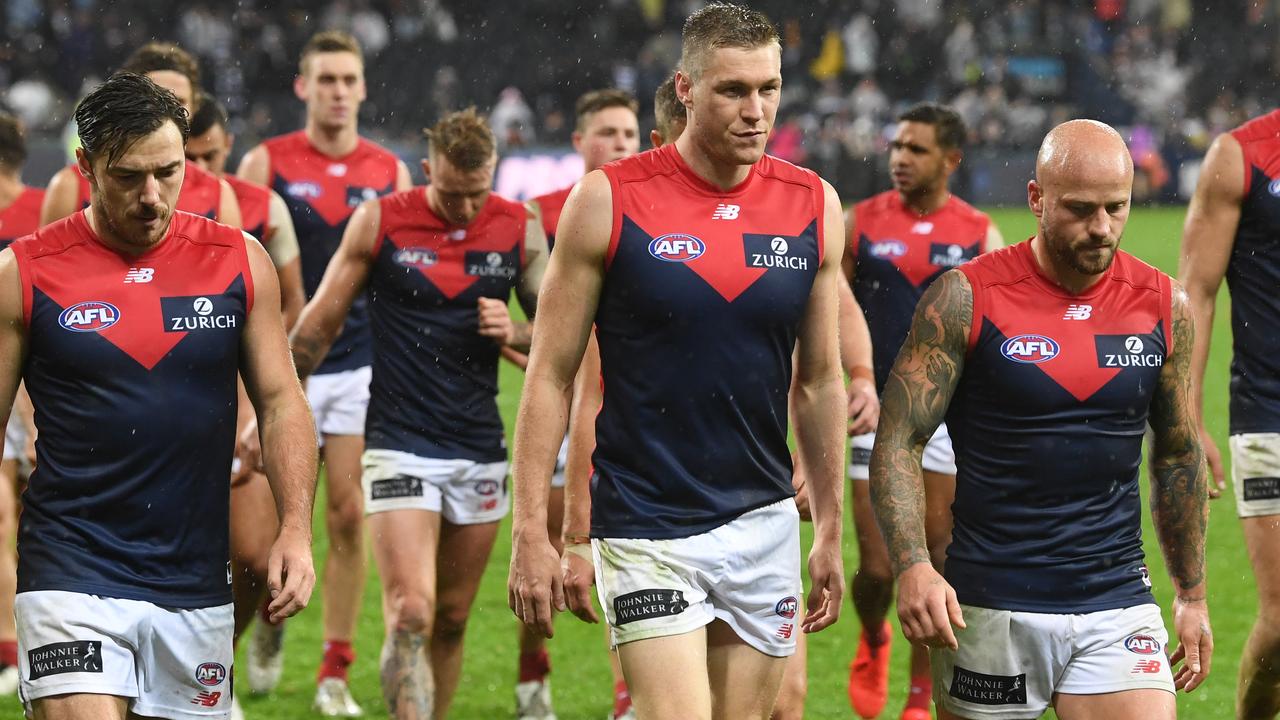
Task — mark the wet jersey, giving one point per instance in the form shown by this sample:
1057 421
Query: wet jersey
1047 422
898 254
321 193
255 205
22 217
201 193
435 378
131 366
1253 275
703 295
550 205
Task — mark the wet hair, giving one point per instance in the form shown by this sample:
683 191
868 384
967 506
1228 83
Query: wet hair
597 100
328 41
463 138
121 111
667 108
157 56
13 143
721 25
947 123
209 112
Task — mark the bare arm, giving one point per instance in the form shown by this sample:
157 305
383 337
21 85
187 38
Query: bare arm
255 166
282 245
1179 497
322 319
994 240
13 336
403 180
62 197
1207 239
228 206
855 346
535 266
287 435
579 573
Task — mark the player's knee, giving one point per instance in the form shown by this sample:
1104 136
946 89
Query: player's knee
451 624
790 704
346 518
872 577
413 612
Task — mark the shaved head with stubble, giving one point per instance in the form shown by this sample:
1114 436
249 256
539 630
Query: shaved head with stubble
1081 198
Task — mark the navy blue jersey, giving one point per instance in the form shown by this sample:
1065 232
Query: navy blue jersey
702 300
898 253
1047 422
435 378
321 193
1253 275
131 366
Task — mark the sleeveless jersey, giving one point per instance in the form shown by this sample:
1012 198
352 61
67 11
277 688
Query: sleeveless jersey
321 193
1253 276
898 254
550 205
702 300
22 217
131 367
435 378
255 205
1047 422
201 193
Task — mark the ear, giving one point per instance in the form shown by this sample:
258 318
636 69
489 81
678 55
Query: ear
577 142
86 167
952 158
684 88
426 168
231 141
300 88
1035 198
655 138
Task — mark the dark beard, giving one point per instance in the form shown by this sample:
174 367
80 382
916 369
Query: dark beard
1062 252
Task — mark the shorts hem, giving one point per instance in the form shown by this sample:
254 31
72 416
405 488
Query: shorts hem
485 519
668 630
30 694
142 709
107 592
1115 687
769 649
979 712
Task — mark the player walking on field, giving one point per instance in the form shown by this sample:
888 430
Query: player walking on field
1048 361
704 264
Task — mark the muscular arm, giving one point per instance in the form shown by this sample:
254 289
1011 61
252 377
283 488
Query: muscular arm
322 319
62 197
535 266
228 206
855 345
914 402
282 245
587 397
255 166
13 339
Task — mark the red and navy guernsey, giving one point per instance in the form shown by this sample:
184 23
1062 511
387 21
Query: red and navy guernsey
131 366
255 206
1047 421
22 217
321 193
898 254
550 206
703 296
1253 275
435 378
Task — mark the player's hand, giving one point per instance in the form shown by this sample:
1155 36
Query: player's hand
290 573
535 589
495 320
864 406
515 357
579 575
248 452
800 483
1213 457
927 607
826 594
1195 643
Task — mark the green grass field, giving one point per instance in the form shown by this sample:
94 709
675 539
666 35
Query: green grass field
581 679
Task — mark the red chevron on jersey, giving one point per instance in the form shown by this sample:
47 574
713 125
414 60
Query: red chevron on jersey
1259 146
136 317
255 206
332 187
919 246
22 217
201 193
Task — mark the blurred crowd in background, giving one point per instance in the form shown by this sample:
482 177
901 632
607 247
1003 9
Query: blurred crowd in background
1171 73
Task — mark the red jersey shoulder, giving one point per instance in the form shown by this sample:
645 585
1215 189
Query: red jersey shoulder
22 217
254 200
287 144
376 151
201 230
779 169
643 166
1138 274
58 236
505 207
550 206
404 205
967 212
1263 127
1003 266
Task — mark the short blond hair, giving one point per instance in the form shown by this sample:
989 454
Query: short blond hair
721 25
328 41
463 138
597 100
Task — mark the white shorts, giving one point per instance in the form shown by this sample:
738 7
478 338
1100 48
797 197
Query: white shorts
15 438
340 400
1255 473
1010 664
171 662
462 491
939 457
745 572
557 478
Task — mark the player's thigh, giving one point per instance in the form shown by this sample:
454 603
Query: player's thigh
80 706
254 521
404 547
795 681
1143 704
342 455
667 676
461 559
1262 539
744 681
873 554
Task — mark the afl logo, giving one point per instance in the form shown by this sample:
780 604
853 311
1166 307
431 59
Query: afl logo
888 249
1273 187
91 316
210 674
415 257
677 247
1029 349
1142 644
786 607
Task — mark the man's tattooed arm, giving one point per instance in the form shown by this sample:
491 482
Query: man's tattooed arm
1179 483
913 404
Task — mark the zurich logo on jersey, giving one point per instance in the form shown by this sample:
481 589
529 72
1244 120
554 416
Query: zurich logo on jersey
89 316
888 249
1029 349
677 247
416 257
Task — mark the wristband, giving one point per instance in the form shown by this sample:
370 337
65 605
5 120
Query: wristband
577 540
863 372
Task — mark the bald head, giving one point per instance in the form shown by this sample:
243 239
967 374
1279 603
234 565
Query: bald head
1083 150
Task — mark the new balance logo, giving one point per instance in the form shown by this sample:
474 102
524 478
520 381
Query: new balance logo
207 699
725 212
1146 666
139 275
1078 312
784 632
